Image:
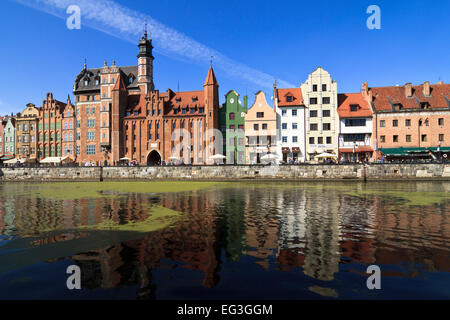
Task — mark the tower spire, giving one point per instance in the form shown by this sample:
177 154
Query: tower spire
145 30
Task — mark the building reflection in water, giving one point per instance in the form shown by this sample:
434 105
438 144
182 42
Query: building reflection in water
315 229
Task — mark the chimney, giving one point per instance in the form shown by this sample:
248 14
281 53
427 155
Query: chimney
365 89
426 88
408 90
440 82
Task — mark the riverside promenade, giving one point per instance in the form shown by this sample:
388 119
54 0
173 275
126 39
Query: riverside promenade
365 172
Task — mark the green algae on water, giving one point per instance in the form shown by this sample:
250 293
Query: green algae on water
82 190
159 218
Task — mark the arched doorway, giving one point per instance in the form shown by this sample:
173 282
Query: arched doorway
153 158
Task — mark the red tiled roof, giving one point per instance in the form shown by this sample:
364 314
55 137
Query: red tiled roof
186 99
384 97
295 93
345 100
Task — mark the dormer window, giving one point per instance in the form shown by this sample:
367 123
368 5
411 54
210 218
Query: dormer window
424 105
86 82
178 100
289 99
194 99
130 80
97 82
354 107
397 106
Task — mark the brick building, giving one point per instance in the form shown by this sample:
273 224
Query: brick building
410 120
119 114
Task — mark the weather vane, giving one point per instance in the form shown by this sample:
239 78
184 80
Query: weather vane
210 61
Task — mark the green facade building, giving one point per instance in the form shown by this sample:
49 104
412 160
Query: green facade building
9 139
231 124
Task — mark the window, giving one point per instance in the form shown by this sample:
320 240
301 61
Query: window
408 123
65 137
294 139
183 111
328 140
382 123
326 126
382 138
441 137
312 100
326 113
201 110
78 136
313 126
395 123
241 141
232 127
232 116
294 125
320 140
91 123
78 123
241 128
294 112
313 113
395 138
78 150
91 135
324 87
326 100
264 126
355 122
354 107
260 114
284 139
284 126
283 112
408 138
90 149
441 121
424 138
311 140
314 87
256 127
289 99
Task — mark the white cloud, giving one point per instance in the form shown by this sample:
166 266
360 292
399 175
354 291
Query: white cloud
124 23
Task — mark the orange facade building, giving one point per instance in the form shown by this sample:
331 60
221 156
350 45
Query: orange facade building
410 116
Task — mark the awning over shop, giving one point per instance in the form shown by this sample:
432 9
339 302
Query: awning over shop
404 152
357 149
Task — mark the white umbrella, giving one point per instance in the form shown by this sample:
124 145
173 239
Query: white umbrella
217 157
173 158
270 156
124 159
326 155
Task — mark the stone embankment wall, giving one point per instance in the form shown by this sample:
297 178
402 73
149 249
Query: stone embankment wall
292 172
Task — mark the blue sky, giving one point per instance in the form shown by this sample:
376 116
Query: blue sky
283 40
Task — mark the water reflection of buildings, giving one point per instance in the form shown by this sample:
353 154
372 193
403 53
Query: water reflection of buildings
309 227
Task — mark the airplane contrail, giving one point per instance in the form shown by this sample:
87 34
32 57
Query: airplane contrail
126 24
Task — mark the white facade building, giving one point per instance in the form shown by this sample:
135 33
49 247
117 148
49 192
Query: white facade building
290 124
355 126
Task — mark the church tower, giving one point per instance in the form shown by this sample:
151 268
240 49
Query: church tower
145 64
211 91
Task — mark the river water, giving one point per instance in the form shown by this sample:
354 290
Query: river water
185 240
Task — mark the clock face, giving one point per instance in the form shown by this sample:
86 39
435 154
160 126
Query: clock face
240 102
243 114
231 100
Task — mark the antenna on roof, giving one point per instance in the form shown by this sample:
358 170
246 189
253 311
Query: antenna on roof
178 86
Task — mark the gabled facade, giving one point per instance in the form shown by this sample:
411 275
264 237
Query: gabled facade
26 133
231 124
50 127
321 119
410 116
355 128
290 109
9 138
260 130
68 135
2 128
